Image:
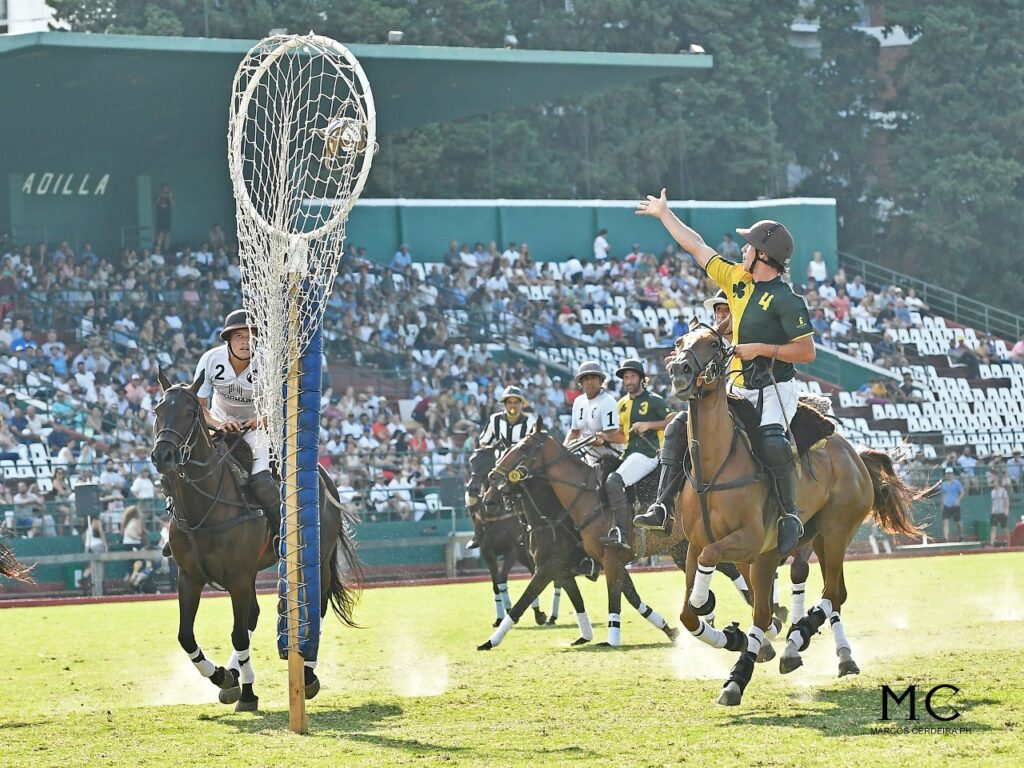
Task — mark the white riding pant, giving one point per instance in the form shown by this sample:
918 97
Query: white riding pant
779 407
635 468
258 441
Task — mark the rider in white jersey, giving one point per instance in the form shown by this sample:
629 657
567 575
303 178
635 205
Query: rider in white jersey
227 401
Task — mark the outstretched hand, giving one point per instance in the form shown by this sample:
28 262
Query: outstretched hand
653 206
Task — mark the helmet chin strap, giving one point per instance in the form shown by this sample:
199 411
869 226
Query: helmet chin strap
231 352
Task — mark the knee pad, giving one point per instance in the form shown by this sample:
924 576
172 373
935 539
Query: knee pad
773 446
615 483
674 447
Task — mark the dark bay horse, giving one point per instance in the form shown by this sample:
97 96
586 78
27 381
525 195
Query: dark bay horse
504 538
220 537
554 547
836 491
538 466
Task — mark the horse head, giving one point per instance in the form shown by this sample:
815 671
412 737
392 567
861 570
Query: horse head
179 418
481 462
700 360
518 463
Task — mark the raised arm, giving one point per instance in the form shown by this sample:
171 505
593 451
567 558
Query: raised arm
688 239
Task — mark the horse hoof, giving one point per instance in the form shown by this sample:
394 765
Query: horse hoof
496 624
788 663
540 617
731 695
552 620
248 706
848 668
767 653
485 646
672 633
313 688
580 641
229 695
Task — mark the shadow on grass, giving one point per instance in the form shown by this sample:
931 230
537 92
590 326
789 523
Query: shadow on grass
857 712
605 648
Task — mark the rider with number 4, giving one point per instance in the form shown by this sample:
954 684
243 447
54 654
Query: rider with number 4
227 401
643 417
771 331
504 429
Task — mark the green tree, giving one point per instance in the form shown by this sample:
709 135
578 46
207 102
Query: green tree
957 159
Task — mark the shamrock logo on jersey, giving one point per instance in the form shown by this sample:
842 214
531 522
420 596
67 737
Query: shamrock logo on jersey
738 289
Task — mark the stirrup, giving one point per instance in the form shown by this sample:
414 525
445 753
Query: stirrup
656 517
587 567
784 525
614 538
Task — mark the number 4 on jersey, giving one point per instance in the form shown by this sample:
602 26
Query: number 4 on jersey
765 301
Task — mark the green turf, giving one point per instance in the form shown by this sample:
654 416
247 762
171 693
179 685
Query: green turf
107 685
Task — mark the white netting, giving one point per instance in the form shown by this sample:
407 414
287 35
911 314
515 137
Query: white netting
302 130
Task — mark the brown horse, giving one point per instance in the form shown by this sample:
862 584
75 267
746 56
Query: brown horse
219 537
836 492
540 463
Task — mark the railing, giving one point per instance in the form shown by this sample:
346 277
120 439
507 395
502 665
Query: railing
964 310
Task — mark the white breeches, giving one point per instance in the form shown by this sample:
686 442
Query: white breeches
774 411
635 468
260 444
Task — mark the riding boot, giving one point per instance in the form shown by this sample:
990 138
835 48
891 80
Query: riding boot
774 449
619 505
586 566
672 476
266 492
478 531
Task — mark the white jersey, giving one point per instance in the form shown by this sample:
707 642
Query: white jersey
231 393
501 431
591 417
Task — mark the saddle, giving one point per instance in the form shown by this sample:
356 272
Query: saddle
809 425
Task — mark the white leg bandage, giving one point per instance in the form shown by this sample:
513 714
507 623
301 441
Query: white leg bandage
499 607
503 591
501 631
651 615
798 610
310 664
200 662
614 629
586 630
555 601
874 544
775 589
246 674
755 639
838 633
708 634
701 585
826 606
740 582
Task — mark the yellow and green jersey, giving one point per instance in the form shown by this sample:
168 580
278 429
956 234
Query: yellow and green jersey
762 313
646 406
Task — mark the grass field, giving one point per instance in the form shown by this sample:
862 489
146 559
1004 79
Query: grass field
107 685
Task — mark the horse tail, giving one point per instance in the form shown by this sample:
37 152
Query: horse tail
893 498
344 586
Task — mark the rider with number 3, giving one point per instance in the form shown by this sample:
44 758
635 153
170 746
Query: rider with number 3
771 331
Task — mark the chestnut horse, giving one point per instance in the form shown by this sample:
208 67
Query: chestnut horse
836 492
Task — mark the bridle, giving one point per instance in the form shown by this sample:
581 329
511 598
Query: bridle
711 370
514 480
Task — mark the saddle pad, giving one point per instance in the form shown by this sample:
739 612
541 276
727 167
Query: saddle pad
809 426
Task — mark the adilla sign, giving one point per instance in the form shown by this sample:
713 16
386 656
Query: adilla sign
53 184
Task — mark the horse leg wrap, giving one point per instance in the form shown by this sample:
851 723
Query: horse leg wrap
246 674
701 596
499 634
755 639
799 611
802 632
652 615
199 661
741 583
505 599
586 630
614 629
499 607
735 640
716 638
773 629
555 600
839 633
742 670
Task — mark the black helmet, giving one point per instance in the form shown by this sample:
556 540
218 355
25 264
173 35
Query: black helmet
236 320
771 238
631 364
